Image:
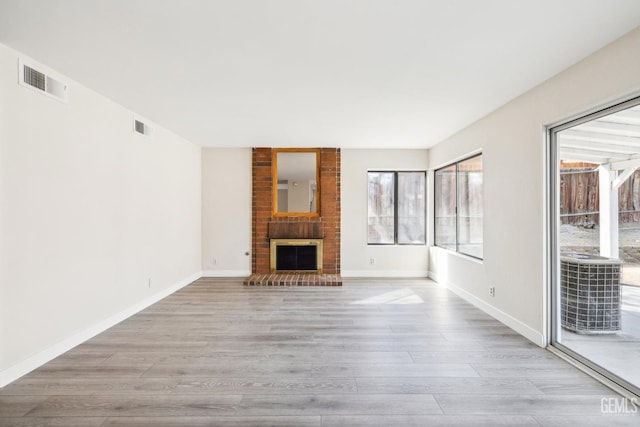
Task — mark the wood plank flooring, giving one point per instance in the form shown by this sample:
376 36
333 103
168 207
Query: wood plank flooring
369 353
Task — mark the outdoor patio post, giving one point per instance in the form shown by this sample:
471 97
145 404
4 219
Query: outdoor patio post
608 212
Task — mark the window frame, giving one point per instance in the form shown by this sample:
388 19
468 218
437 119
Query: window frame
456 209
395 206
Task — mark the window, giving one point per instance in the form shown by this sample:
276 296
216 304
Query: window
445 194
397 208
458 207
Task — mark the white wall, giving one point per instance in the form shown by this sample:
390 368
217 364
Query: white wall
226 211
390 260
512 141
97 222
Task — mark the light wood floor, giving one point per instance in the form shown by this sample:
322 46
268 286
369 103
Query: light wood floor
372 353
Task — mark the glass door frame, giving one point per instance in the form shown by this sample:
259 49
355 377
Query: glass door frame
553 249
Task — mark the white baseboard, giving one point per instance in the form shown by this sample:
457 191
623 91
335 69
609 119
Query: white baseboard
433 276
384 273
22 368
226 273
525 330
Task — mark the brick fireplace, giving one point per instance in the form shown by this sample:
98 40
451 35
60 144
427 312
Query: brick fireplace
266 226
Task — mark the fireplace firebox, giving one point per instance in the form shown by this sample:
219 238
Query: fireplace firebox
296 255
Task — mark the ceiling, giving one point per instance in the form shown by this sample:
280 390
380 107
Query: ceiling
302 73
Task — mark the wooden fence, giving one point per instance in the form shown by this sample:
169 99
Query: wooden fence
579 198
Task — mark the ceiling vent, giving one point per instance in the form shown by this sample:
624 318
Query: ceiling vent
34 78
141 128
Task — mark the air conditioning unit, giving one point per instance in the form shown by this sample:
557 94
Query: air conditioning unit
590 298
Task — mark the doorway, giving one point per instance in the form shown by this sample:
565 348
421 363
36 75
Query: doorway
595 241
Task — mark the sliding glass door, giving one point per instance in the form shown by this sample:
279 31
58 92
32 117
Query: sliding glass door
594 220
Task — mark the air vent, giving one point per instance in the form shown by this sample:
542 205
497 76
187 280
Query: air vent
141 128
31 77
34 78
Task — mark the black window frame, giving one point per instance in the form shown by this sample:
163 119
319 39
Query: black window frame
456 210
395 206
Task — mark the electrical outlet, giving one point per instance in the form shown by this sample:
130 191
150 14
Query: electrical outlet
214 261
372 261
492 291
149 282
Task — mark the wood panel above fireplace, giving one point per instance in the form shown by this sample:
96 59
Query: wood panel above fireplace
296 230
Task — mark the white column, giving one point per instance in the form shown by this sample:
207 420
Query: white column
608 212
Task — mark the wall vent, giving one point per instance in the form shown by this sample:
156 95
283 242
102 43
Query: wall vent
36 79
141 128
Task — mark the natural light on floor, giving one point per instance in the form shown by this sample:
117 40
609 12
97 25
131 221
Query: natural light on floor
401 296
